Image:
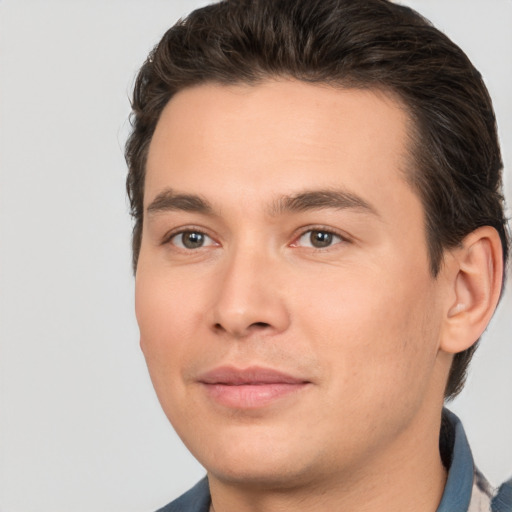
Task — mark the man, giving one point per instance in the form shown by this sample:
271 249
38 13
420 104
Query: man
319 243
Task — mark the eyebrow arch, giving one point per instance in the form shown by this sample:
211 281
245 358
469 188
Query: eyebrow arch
170 201
321 199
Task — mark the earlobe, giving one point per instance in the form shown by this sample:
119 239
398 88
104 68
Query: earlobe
475 278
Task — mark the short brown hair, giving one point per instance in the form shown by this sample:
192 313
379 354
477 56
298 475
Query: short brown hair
347 43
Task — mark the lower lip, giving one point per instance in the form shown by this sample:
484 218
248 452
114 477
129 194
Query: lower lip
251 396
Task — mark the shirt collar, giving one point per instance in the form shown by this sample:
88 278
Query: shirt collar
459 485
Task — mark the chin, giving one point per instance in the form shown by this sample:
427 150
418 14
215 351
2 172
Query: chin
257 459
270 475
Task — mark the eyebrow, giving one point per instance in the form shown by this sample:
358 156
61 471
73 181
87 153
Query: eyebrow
168 200
321 199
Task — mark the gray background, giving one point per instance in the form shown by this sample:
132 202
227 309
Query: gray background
80 427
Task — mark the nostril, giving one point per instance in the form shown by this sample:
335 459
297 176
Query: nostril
241 331
259 325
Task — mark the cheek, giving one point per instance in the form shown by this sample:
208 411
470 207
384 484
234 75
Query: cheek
376 335
166 305
166 315
167 310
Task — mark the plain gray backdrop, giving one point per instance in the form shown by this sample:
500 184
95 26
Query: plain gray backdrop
80 427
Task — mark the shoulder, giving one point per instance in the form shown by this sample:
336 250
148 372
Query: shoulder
196 499
502 501
466 488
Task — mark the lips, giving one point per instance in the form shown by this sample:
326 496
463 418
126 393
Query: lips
249 388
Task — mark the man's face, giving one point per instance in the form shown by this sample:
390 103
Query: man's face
287 313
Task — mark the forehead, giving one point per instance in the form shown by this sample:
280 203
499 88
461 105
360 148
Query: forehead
279 137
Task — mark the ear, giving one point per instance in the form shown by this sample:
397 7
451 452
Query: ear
474 276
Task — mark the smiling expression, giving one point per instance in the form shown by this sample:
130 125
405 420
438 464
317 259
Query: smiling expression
287 313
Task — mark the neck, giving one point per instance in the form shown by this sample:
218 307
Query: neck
408 475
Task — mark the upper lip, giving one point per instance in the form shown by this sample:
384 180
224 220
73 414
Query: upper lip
254 375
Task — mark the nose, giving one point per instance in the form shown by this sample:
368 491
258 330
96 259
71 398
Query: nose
250 297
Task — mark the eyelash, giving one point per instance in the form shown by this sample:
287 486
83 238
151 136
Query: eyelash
321 229
167 239
311 229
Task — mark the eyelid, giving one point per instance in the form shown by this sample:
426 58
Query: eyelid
324 229
167 238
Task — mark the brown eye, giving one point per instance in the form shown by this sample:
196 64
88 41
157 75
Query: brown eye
191 240
319 239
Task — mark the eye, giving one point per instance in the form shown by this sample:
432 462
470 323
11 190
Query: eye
319 239
191 240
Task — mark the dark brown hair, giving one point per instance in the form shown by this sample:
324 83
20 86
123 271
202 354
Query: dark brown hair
345 43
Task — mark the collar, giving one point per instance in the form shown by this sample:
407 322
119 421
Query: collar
459 485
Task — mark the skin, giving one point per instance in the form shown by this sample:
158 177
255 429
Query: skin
361 321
